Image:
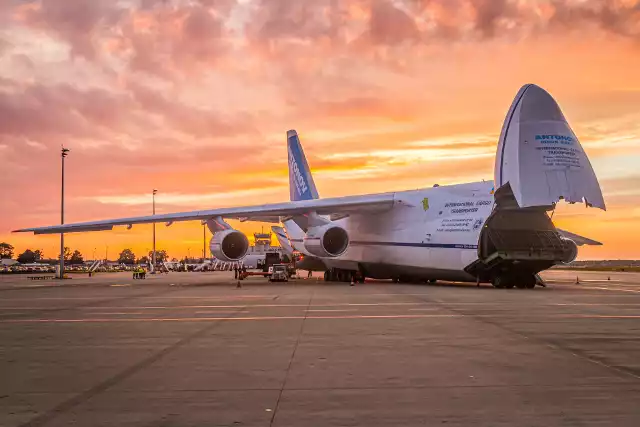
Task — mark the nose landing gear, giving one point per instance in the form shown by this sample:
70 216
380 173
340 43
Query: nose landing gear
523 281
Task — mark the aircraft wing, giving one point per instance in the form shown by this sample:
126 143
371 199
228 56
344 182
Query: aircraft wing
338 205
577 239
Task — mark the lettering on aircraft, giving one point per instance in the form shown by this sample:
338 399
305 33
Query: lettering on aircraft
465 207
449 225
554 139
301 185
558 152
461 207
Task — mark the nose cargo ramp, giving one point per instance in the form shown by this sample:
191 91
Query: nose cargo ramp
540 156
516 243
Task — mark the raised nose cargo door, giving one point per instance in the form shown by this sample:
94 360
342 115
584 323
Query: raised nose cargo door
541 157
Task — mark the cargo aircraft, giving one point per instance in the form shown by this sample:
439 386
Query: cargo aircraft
496 231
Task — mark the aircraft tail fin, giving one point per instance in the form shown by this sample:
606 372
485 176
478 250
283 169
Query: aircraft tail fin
301 185
283 239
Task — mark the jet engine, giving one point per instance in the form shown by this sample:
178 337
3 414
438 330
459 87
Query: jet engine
328 240
229 245
570 250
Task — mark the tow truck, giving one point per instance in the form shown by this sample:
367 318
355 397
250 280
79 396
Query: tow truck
280 273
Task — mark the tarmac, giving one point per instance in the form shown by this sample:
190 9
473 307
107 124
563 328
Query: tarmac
192 349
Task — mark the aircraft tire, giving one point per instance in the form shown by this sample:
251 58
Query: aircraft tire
530 282
498 282
326 276
525 281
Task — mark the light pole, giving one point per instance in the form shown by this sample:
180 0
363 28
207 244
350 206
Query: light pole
153 257
63 153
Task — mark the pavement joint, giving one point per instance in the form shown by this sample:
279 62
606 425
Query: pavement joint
293 355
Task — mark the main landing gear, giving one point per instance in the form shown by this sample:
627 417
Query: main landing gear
340 275
525 281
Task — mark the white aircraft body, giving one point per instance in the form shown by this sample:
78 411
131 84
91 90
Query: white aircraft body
464 232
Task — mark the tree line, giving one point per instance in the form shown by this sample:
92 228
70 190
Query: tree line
129 258
29 256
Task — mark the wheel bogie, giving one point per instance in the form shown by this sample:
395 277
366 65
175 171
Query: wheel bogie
523 281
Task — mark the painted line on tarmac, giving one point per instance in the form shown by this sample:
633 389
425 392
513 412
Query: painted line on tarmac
319 306
176 307
572 281
339 317
220 312
589 304
201 319
231 297
602 316
123 312
616 289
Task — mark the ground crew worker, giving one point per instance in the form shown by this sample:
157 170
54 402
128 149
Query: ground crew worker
235 271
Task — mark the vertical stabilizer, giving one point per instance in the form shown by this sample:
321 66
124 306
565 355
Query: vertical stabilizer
301 185
283 239
540 156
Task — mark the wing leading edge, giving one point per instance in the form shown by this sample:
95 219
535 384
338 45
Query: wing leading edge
339 205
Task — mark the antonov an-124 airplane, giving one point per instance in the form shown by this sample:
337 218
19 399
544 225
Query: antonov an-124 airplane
490 231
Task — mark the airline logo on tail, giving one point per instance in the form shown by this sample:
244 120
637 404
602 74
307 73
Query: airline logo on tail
301 185
298 179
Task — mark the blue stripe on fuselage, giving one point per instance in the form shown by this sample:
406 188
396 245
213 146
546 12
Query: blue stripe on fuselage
407 244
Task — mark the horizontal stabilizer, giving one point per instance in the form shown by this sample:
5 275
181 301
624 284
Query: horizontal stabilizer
578 240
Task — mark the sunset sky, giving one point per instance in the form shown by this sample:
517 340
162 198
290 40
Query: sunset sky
194 98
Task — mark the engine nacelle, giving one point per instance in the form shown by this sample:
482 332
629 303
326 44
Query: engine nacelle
229 245
570 250
328 240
